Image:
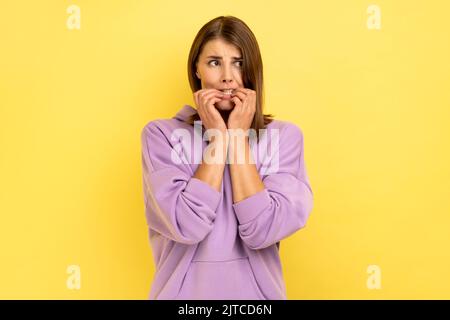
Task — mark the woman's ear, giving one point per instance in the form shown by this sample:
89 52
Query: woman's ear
196 72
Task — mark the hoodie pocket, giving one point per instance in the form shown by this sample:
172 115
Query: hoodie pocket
220 280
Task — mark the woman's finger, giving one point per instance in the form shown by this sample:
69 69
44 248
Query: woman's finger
243 90
203 101
240 95
236 101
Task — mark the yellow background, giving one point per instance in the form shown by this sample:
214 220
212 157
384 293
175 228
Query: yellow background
373 106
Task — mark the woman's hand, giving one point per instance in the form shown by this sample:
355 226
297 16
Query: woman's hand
210 116
244 110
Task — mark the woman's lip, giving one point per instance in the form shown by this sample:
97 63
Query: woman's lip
232 90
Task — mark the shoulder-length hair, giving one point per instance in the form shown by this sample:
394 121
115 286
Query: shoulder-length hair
236 32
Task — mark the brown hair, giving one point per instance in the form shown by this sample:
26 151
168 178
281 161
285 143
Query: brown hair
236 32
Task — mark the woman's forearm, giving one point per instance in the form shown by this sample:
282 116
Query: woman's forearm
214 158
244 175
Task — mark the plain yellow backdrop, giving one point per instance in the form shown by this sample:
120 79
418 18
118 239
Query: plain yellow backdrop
373 105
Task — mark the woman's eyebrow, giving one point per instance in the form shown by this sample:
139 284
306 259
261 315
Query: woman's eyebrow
220 58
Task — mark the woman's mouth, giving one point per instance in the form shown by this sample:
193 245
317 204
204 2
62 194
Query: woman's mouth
228 91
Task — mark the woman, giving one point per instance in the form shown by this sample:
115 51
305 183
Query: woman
215 221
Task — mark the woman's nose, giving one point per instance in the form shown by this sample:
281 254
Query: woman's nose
227 75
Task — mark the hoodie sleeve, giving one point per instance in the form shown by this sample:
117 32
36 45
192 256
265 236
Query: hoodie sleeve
285 203
177 206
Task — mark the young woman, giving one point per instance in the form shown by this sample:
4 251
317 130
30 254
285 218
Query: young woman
215 222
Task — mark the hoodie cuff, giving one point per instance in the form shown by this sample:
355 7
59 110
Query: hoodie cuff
207 194
251 207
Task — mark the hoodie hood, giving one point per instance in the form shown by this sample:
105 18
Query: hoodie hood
185 112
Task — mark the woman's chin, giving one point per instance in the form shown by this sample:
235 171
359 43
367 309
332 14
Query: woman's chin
224 105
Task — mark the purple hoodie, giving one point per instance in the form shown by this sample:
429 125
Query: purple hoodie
204 245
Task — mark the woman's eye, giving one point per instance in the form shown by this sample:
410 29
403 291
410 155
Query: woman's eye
213 63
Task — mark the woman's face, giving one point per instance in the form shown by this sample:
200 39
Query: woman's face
219 66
